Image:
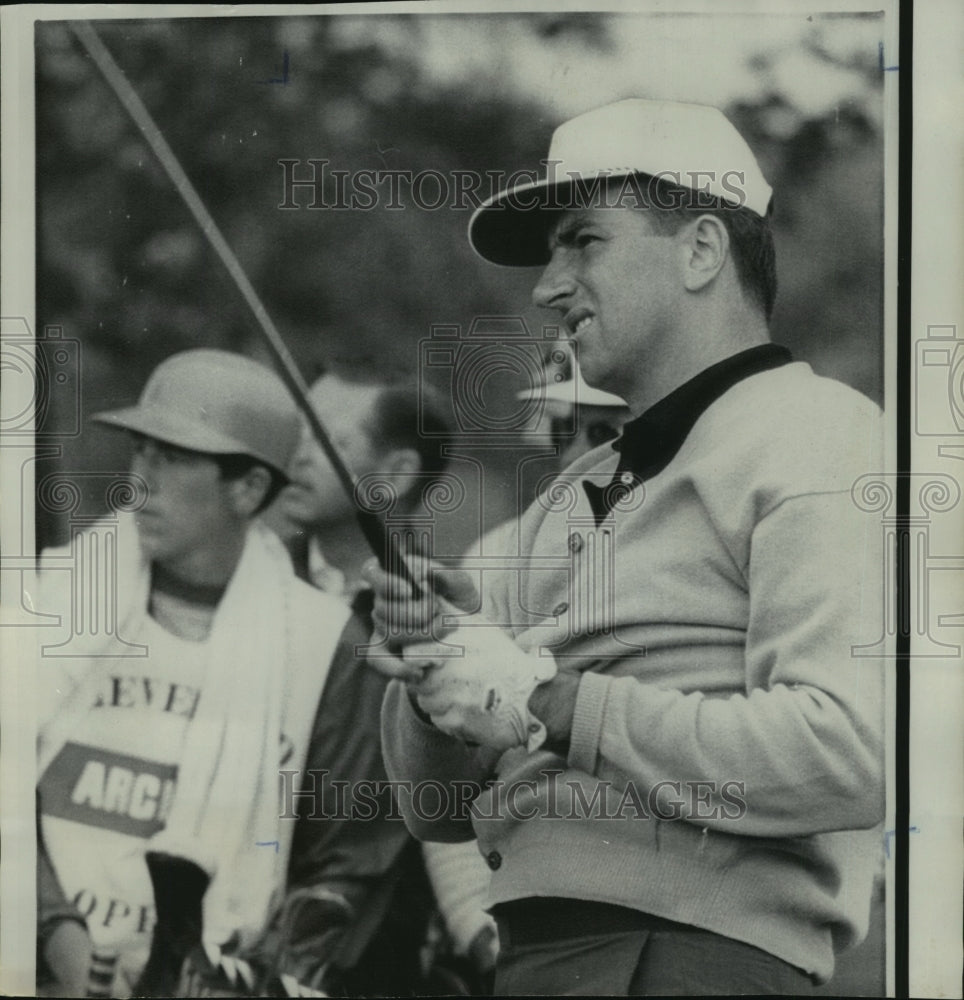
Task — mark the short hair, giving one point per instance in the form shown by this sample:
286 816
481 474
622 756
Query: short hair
234 467
416 418
751 237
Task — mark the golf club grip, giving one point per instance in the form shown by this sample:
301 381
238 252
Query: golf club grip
385 546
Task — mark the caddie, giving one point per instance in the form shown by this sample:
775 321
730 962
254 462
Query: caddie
160 746
656 721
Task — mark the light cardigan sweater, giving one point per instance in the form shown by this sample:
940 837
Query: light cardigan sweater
713 616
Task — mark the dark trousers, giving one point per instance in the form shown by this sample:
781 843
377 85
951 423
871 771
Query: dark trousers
565 947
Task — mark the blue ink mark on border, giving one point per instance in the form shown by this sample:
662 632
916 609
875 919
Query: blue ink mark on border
883 69
271 843
890 833
285 74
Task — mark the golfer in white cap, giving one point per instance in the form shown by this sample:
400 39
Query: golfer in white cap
671 756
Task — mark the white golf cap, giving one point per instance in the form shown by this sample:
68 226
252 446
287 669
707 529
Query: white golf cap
693 147
573 390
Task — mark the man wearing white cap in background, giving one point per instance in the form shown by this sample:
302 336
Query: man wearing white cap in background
158 794
656 727
577 418
581 417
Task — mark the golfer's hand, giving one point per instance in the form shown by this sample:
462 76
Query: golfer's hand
471 680
477 684
402 618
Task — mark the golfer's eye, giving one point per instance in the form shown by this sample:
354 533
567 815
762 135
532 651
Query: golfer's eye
584 238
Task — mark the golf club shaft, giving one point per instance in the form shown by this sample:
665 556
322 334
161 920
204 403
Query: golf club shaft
382 544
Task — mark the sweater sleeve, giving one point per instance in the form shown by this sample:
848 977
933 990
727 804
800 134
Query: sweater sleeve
428 766
801 746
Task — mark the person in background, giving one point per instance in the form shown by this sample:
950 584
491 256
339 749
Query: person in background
581 417
376 428
575 418
158 773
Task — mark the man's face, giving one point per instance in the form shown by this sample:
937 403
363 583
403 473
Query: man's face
614 279
315 496
189 507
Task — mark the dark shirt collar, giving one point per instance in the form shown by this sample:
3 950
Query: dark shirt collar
650 442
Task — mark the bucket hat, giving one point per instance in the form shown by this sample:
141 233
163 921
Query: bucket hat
692 146
218 403
573 390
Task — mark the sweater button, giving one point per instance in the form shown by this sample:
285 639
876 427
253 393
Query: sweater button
575 542
494 860
627 479
561 608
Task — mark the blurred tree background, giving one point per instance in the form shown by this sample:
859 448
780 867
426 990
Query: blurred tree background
123 268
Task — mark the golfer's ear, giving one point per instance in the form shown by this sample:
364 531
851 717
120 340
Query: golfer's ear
706 248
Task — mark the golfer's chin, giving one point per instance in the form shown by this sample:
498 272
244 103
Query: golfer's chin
595 371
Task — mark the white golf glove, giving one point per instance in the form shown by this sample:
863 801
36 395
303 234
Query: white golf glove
481 695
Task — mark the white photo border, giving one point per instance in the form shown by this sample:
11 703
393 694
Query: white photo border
934 853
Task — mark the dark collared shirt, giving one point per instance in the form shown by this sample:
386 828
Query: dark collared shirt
649 442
